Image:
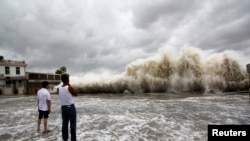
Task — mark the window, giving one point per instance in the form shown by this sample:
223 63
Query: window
8 83
17 70
20 82
7 70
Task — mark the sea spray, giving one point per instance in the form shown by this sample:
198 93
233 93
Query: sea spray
189 71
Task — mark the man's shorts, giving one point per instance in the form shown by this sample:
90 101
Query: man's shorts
43 114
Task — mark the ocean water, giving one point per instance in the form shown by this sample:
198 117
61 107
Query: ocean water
138 117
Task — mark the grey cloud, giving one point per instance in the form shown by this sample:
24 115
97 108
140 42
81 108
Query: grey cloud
226 26
91 35
171 12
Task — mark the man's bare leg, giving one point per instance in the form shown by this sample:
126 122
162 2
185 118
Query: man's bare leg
45 125
38 125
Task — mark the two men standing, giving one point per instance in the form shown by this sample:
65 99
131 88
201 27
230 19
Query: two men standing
68 110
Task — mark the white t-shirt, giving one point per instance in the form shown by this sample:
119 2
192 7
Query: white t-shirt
65 96
43 96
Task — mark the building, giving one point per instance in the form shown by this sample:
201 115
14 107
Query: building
248 71
12 77
15 80
35 80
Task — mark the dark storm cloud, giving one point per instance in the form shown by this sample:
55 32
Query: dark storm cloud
94 35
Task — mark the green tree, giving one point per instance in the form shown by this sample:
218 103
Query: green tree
1 57
61 70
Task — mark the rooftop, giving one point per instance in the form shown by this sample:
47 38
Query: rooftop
12 63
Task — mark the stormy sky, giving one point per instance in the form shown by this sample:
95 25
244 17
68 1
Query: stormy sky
97 36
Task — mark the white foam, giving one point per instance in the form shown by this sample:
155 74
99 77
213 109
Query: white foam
122 119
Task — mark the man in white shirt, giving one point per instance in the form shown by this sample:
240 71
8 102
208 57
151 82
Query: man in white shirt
44 105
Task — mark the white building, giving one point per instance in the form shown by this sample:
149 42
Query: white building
13 77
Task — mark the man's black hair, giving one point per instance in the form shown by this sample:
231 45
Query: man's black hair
45 83
65 78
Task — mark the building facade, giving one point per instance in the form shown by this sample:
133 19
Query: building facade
35 80
12 77
248 71
15 80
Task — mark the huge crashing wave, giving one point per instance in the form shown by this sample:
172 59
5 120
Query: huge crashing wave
187 71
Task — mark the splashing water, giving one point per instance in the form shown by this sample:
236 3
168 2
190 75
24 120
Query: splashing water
187 71
113 117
